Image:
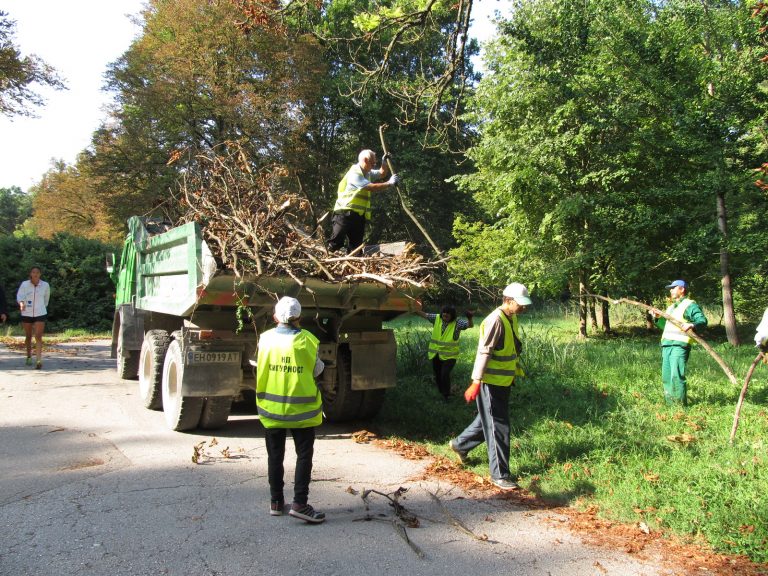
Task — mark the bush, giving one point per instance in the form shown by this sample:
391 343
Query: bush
82 294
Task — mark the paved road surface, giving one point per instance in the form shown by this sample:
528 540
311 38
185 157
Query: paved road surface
91 483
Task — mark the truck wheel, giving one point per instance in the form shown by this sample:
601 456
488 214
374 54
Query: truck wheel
181 412
342 403
127 366
371 404
215 412
151 360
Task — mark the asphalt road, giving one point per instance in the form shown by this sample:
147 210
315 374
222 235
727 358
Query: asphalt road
91 483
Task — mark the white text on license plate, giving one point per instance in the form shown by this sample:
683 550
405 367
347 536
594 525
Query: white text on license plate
209 357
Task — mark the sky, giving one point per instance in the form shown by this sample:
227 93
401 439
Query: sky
80 38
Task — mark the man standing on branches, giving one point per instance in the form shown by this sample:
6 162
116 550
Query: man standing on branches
675 342
494 372
353 205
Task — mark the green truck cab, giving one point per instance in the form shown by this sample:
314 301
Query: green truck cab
178 328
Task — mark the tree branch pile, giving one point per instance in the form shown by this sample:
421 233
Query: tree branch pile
255 226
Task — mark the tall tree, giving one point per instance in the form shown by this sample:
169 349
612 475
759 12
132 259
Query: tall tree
19 73
15 208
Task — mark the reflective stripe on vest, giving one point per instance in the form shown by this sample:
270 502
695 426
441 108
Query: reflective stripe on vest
672 332
442 342
354 199
502 366
286 393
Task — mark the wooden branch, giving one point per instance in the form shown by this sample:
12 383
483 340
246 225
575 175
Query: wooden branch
691 333
743 393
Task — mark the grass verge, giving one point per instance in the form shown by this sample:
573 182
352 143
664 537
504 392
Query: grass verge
590 428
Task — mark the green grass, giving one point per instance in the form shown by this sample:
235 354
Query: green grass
590 427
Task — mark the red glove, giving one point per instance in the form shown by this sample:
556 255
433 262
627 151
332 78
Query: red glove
471 393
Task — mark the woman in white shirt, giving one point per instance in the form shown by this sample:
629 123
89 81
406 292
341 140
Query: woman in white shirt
33 296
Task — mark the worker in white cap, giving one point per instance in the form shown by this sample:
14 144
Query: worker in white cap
287 398
496 367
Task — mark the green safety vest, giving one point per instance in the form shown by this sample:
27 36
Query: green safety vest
286 393
672 332
503 366
442 342
357 200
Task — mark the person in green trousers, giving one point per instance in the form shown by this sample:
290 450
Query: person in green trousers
676 342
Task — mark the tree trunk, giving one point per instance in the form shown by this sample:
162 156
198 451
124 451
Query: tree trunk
592 315
729 317
582 306
605 315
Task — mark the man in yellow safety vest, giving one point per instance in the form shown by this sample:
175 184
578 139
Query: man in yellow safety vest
443 348
494 372
353 204
676 343
287 398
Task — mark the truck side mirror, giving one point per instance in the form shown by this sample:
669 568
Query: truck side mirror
110 262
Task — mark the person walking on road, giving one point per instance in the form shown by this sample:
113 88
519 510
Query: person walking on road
287 398
33 296
676 342
444 344
494 372
353 204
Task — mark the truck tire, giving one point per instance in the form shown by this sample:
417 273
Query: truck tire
342 403
215 412
151 361
127 366
372 403
181 412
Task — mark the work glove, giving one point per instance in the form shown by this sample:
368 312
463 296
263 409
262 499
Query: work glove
471 393
386 157
761 341
394 180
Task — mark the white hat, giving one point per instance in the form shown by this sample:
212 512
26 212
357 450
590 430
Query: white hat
518 293
287 309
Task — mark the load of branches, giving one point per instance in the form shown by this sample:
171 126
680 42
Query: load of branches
254 225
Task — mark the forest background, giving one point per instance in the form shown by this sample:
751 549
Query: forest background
608 147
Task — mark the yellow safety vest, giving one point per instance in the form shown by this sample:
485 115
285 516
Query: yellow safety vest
286 393
503 365
442 343
356 200
672 332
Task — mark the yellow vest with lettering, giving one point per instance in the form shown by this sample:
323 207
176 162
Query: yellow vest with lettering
503 365
357 200
286 393
442 342
672 332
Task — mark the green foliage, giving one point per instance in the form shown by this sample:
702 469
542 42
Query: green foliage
18 73
15 209
590 427
82 294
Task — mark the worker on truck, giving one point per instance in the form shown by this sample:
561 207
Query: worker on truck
353 205
287 398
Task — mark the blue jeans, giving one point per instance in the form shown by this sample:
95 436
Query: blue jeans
491 425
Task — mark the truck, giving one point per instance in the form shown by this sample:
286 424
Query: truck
187 328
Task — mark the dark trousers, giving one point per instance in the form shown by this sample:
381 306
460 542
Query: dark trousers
304 443
347 224
492 426
442 370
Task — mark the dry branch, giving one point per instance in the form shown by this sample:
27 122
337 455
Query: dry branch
255 225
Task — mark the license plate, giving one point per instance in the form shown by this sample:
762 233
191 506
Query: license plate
212 357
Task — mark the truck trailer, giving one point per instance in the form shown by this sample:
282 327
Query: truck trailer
187 329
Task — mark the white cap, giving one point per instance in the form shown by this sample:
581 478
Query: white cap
518 293
287 309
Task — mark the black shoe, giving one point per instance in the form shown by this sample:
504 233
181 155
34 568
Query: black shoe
307 513
276 507
463 456
505 483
